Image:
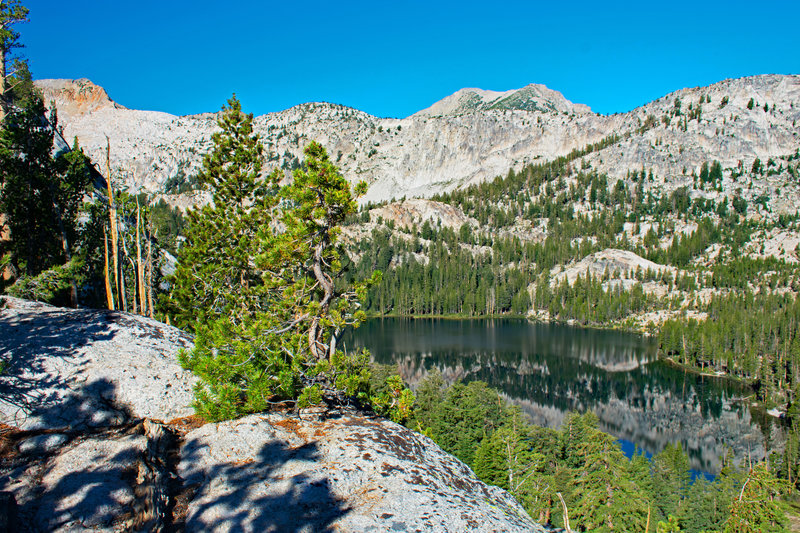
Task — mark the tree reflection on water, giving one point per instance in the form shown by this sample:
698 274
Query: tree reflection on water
549 369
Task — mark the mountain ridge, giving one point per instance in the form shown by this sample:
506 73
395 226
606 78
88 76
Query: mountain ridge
424 154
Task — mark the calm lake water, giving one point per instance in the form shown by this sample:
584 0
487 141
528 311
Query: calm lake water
549 369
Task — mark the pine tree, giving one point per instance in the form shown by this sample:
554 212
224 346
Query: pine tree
606 499
317 201
216 275
757 507
41 198
258 281
671 480
11 12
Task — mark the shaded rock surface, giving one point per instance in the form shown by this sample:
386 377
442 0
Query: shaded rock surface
88 368
76 454
343 474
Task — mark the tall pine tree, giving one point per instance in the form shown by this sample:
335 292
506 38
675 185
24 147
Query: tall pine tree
257 280
216 275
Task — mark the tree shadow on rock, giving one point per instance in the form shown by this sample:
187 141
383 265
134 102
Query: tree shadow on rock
41 350
87 479
263 494
91 484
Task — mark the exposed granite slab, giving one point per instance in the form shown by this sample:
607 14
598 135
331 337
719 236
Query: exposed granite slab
75 368
353 473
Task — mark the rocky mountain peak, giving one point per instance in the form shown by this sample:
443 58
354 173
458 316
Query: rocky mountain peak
533 97
76 97
468 137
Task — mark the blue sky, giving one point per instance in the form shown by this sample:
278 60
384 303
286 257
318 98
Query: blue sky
394 58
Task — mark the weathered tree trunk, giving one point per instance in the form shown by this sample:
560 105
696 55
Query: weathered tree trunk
3 103
109 292
112 214
153 480
315 333
139 264
566 513
150 267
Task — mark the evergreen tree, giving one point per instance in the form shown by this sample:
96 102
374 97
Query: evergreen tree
705 507
257 281
41 198
671 480
317 202
216 275
11 12
605 498
757 506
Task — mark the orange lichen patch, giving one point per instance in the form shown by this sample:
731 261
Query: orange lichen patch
186 424
243 462
319 433
292 425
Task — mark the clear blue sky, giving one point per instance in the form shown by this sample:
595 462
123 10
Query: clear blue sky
394 58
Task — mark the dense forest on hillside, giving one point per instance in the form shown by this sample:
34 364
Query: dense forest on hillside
601 489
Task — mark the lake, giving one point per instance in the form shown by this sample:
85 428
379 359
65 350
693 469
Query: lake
550 369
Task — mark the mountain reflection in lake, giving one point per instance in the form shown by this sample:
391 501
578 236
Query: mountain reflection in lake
548 370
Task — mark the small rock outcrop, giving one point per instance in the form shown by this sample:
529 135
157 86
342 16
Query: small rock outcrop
611 262
349 473
76 97
74 369
93 435
416 211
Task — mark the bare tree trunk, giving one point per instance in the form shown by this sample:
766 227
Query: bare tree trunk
150 267
112 214
126 255
3 103
139 264
109 292
566 514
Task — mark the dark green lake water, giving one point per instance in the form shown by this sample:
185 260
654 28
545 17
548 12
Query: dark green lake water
549 369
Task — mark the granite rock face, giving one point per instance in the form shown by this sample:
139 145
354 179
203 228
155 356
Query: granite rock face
74 369
468 137
349 473
88 484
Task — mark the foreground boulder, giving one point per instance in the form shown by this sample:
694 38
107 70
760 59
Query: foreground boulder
81 448
77 368
349 473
